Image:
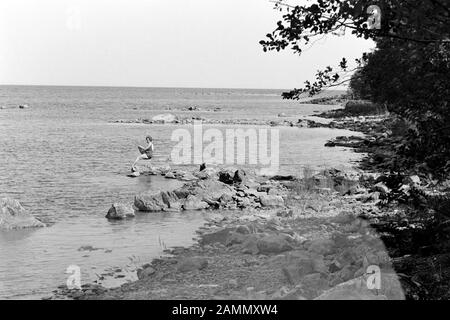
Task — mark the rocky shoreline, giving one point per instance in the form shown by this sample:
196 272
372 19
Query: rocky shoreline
281 238
312 236
307 237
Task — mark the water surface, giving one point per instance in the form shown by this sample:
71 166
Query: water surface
66 163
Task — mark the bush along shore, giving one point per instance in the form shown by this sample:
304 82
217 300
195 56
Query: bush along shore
316 235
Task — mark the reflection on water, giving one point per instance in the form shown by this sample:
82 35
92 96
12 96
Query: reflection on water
36 260
66 164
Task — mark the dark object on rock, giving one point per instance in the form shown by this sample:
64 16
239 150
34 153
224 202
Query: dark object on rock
202 166
226 176
239 176
120 211
231 175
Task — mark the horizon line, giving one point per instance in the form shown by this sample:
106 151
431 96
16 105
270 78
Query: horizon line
138 87
146 87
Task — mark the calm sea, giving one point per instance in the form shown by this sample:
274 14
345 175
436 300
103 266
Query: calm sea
65 161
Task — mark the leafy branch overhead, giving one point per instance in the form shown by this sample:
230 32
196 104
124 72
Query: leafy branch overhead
422 23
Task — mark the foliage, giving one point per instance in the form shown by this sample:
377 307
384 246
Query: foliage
408 72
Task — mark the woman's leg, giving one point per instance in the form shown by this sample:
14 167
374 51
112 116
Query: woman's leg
140 157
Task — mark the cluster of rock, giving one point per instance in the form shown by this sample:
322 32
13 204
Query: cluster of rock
20 106
206 189
14 216
196 108
301 123
340 266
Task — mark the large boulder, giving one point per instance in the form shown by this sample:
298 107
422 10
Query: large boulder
150 202
209 190
359 289
120 211
172 201
14 216
273 244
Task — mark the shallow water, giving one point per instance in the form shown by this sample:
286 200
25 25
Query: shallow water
66 164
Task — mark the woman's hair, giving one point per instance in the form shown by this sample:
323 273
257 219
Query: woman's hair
149 138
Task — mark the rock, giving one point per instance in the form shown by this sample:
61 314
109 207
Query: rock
164 170
347 272
282 114
220 236
271 201
382 188
344 217
202 166
286 294
192 264
145 272
134 174
120 211
285 213
302 263
211 190
357 289
250 245
413 180
263 188
206 173
194 203
313 284
14 216
244 202
170 175
243 229
188 177
150 202
164 118
171 200
227 175
23 106
239 176
226 198
273 244
322 246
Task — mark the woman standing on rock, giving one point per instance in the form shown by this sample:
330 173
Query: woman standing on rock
146 153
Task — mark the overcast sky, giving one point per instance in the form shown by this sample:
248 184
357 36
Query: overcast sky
162 43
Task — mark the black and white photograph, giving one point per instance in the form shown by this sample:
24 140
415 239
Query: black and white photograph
224 156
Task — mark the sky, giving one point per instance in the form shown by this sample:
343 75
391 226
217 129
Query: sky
155 43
